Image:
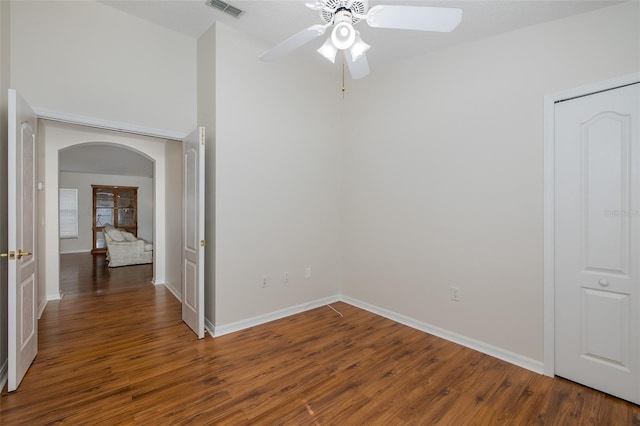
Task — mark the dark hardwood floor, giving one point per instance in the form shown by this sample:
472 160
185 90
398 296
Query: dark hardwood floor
125 357
84 273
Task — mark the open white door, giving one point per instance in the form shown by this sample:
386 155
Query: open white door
23 284
193 242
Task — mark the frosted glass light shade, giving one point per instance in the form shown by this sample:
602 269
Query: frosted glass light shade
358 48
328 50
343 35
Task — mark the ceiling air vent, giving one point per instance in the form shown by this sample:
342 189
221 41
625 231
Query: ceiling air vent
225 7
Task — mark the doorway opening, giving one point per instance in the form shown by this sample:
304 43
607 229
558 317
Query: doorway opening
61 139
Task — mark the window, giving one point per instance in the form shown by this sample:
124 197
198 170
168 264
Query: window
68 213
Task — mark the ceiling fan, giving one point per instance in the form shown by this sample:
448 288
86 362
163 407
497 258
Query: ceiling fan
342 15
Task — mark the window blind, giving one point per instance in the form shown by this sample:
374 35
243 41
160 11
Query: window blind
68 213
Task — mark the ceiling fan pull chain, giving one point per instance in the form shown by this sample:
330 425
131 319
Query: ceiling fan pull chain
343 89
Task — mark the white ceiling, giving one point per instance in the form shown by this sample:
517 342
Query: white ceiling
274 20
105 159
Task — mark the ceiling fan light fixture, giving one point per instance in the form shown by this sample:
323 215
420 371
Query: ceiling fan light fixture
358 48
343 35
328 50
342 15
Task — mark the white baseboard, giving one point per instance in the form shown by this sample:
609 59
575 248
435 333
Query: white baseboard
485 348
177 294
75 251
221 330
3 375
41 306
51 297
209 327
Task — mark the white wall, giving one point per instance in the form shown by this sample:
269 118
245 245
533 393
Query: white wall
5 56
206 70
173 211
444 174
86 58
277 183
56 136
82 182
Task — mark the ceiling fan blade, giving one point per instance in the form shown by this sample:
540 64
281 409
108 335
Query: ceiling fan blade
318 5
294 42
442 19
358 68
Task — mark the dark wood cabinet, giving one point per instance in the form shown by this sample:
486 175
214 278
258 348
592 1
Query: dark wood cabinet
115 205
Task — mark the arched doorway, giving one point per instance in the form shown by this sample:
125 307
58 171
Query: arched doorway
83 166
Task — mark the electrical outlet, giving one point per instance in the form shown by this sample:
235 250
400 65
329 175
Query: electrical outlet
455 294
264 281
285 277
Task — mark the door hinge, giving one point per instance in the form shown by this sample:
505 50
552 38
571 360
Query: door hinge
203 243
201 138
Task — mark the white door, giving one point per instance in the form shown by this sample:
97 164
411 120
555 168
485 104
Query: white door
597 241
193 242
23 284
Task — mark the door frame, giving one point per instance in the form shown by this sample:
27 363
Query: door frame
549 203
51 171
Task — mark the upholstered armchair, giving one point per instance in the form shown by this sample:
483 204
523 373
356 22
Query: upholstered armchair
124 248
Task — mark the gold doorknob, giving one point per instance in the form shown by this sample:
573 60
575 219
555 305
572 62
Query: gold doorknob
22 253
11 255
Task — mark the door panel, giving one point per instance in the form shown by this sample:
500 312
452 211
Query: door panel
605 327
597 241
193 242
191 285
22 266
605 180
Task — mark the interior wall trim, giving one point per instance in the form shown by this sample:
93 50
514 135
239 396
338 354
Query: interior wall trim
209 327
42 305
66 117
75 251
485 348
271 316
172 289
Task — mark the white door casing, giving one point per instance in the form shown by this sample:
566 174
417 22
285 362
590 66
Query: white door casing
193 240
597 241
22 241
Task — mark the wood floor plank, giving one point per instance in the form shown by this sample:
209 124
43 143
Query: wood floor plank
118 354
